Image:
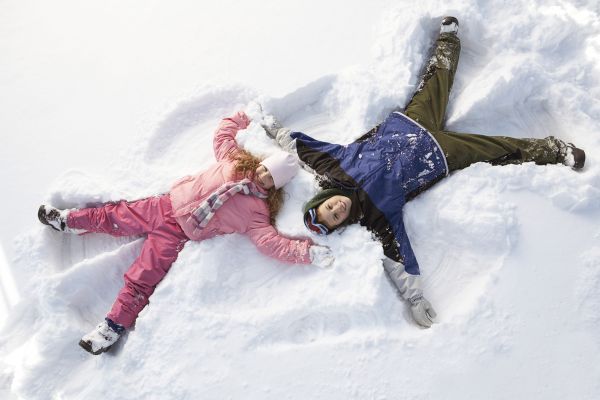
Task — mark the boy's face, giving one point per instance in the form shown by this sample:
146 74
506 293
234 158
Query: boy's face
333 211
263 177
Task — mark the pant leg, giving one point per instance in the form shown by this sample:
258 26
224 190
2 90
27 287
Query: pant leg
464 149
161 249
123 218
428 104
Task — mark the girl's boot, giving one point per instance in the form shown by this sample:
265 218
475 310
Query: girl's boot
56 219
102 338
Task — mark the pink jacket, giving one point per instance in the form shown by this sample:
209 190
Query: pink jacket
242 213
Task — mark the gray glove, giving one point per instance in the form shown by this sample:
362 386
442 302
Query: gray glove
409 287
271 125
281 135
422 311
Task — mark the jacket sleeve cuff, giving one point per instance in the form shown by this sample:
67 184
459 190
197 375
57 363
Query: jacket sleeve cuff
408 285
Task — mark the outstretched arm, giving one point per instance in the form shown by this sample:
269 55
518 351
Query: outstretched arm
299 251
409 287
283 137
271 243
315 156
224 143
279 133
405 274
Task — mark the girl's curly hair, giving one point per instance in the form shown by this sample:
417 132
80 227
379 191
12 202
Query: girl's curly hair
245 166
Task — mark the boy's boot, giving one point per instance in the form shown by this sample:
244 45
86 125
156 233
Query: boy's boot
572 156
449 25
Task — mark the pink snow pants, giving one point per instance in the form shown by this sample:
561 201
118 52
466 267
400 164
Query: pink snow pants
164 240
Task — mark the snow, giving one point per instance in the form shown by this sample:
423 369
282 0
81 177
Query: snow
113 100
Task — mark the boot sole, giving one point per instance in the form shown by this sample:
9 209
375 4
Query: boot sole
446 22
579 160
578 157
88 347
42 217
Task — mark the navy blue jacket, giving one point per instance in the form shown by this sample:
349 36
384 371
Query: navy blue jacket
393 164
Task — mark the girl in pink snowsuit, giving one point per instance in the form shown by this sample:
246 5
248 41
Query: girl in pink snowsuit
218 201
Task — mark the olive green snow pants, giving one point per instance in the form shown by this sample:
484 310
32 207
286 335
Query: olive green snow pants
428 108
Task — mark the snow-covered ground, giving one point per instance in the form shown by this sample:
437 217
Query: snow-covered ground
110 100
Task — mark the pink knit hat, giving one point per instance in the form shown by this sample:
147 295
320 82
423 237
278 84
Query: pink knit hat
282 166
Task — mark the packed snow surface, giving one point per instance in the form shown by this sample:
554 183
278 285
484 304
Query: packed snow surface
116 101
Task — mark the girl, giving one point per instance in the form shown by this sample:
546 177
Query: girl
239 193
370 180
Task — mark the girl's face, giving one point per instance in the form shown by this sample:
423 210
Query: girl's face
333 211
263 177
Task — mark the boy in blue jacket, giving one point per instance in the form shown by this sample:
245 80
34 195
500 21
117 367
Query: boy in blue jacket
369 181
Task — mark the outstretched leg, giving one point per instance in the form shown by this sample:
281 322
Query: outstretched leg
428 104
159 252
123 218
464 149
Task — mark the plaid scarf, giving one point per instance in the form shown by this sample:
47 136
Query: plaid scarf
205 211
